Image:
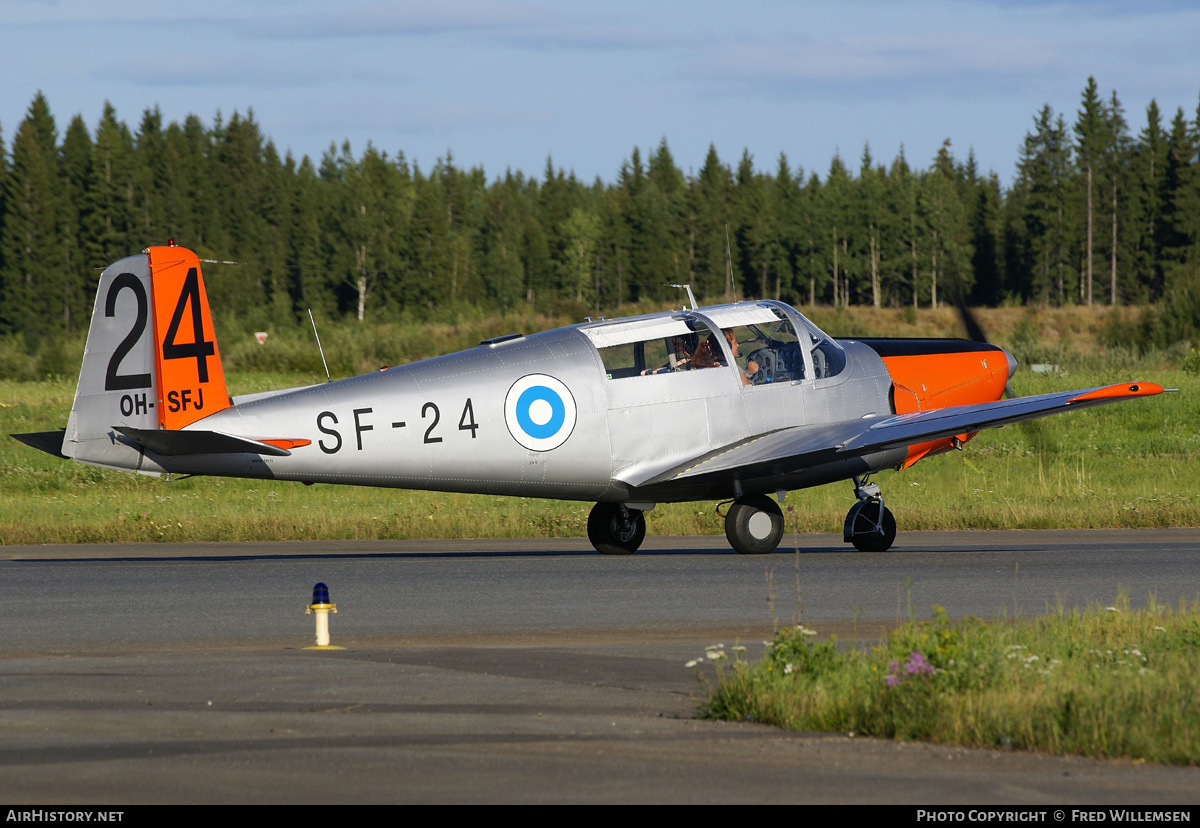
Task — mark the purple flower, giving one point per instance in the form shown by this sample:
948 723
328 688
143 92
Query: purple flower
916 665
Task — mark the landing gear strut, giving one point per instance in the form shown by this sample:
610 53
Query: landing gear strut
870 525
615 529
754 525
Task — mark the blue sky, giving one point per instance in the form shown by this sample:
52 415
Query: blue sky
505 84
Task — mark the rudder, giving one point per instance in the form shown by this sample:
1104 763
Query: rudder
191 381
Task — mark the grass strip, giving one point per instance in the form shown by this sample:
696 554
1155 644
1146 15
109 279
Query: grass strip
1105 682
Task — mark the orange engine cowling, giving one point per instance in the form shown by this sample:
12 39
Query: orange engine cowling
939 373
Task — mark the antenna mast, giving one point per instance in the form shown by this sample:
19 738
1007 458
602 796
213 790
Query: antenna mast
688 288
319 348
728 268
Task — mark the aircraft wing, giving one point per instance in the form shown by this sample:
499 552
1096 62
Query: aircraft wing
793 449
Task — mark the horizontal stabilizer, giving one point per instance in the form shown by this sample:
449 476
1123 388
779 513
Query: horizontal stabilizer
47 441
175 443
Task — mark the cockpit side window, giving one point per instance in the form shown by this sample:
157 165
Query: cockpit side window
655 348
828 358
768 353
648 357
763 341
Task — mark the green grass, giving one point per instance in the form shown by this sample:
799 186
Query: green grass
1106 682
1130 464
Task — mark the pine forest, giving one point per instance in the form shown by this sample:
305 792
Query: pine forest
1100 212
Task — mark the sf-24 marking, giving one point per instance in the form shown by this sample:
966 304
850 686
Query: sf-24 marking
326 420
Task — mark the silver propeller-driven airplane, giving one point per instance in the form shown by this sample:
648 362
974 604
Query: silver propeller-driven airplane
731 402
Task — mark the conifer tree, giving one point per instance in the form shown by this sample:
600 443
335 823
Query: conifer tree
149 181
1115 175
1185 204
31 225
1044 169
837 210
666 201
754 232
788 220
503 237
308 266
3 196
1143 208
1181 161
711 206
428 260
1090 145
76 272
950 246
911 233
110 209
987 242
872 207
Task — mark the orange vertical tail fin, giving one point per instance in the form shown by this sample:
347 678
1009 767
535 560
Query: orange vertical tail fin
191 382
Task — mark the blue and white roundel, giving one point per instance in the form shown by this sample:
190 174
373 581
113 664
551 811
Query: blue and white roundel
540 412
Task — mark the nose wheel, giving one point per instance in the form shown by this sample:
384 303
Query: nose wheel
615 529
754 525
870 525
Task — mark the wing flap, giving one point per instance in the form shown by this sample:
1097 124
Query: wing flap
175 443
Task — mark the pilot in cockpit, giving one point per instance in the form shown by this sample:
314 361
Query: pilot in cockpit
710 355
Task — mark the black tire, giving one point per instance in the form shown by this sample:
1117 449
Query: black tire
754 525
864 535
612 532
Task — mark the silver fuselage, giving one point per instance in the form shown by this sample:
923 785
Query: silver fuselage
440 424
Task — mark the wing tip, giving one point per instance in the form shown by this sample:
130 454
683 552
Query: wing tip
1120 390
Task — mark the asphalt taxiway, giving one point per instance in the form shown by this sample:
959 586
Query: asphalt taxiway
510 671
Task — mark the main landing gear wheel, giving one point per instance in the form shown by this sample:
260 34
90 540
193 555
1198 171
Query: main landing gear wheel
615 530
754 525
870 525
868 530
